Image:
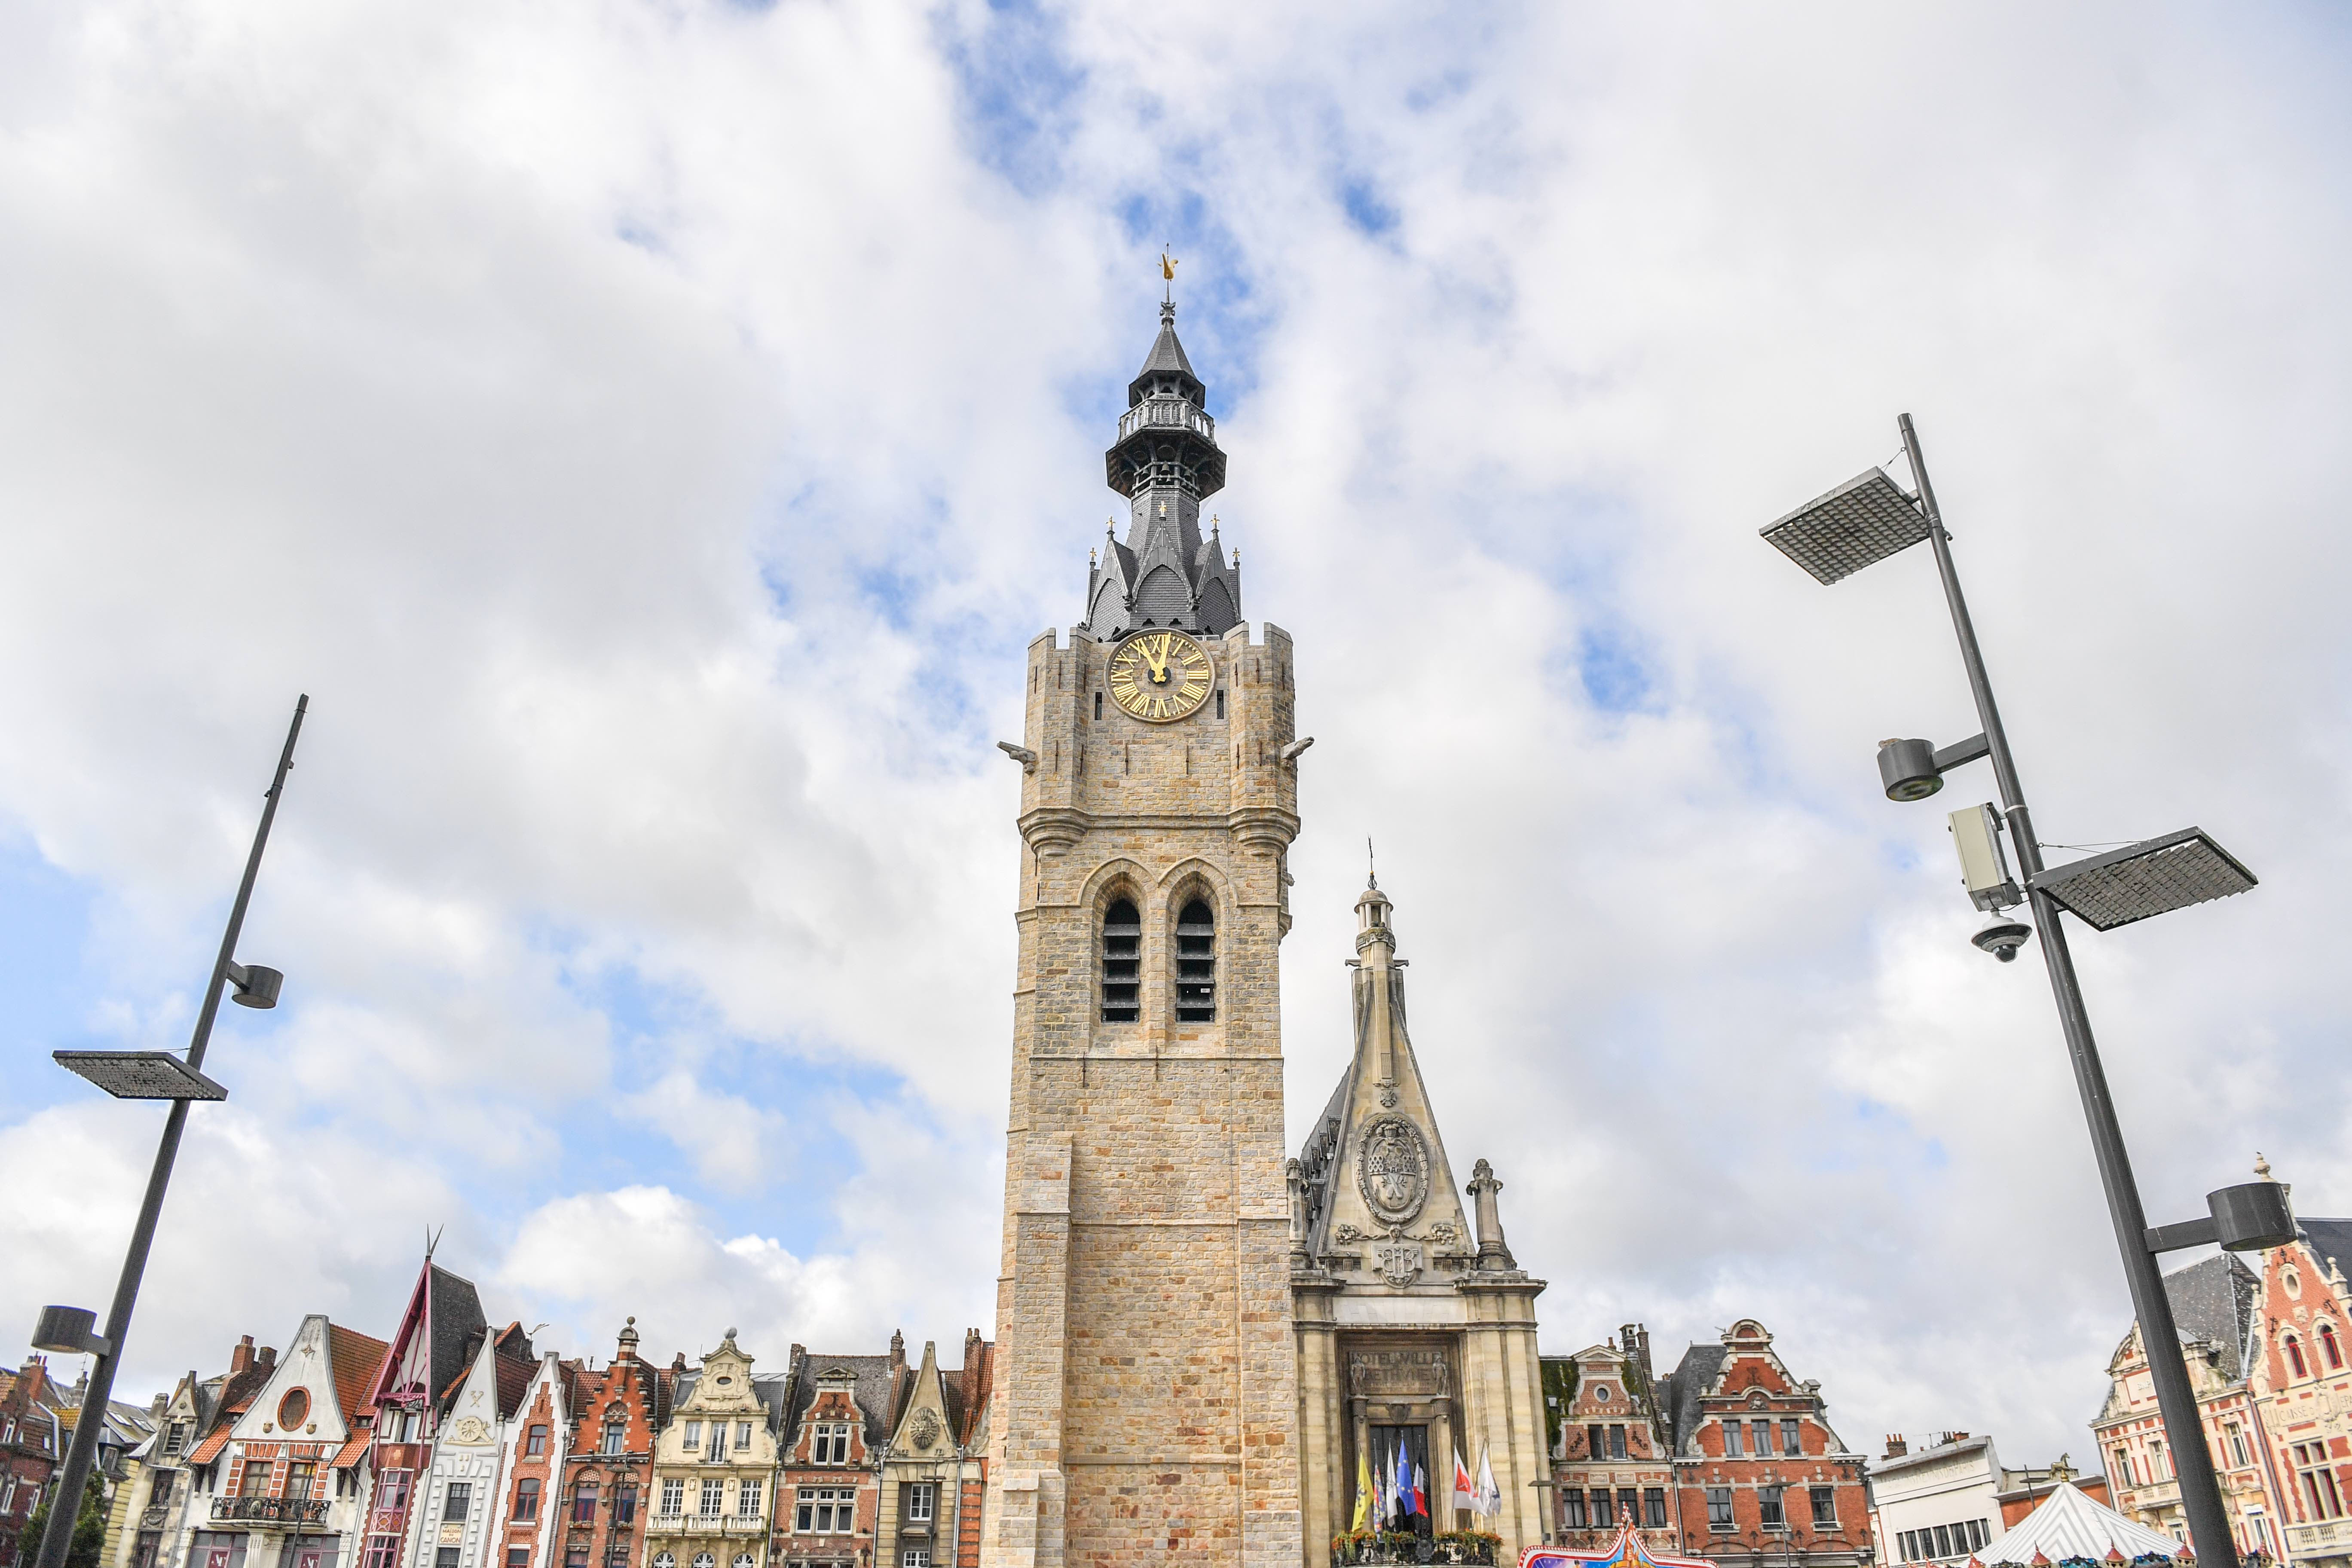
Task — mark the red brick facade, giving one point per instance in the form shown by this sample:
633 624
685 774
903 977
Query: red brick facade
608 1473
1759 1471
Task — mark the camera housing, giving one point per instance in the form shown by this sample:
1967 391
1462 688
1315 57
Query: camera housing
2002 939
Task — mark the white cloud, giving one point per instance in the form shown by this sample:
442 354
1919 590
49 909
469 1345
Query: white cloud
651 432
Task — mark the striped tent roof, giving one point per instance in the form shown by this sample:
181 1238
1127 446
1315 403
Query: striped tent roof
2072 1525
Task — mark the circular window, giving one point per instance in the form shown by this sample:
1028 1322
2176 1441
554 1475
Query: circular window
294 1409
2293 1282
1601 1391
743 1560
725 1381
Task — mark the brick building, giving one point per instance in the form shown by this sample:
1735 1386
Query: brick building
1759 1471
458 1461
2300 1390
32 1444
608 1472
838 1413
1611 1447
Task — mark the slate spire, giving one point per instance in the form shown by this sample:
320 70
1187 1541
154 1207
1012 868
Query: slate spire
1166 461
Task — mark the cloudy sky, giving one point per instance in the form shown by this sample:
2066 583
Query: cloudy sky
651 430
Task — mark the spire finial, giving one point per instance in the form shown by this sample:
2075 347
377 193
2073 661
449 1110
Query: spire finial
1167 272
2262 1165
1372 866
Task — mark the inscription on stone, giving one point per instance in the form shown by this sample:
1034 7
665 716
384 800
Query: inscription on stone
1414 1374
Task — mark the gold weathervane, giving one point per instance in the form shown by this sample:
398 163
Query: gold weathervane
1168 271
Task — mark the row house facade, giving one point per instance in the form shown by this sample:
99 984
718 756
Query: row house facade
714 1466
280 1481
1758 1471
2267 1353
838 1413
935 1466
1613 1455
167 1508
608 1467
32 1443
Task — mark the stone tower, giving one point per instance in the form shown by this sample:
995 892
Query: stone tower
1145 1400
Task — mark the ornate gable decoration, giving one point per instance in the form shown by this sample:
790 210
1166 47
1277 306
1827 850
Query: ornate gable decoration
1394 1169
924 1429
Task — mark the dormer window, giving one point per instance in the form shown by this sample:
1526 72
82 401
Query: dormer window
1196 964
831 1446
1122 962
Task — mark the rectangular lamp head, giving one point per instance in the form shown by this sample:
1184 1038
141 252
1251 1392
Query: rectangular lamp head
1864 520
141 1074
2152 877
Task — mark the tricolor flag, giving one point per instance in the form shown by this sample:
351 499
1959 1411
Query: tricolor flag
1421 1491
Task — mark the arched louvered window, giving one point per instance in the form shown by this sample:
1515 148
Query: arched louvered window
1122 962
1196 964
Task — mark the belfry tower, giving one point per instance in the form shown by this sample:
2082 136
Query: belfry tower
1145 1402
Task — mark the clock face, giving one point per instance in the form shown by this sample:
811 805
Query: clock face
1160 676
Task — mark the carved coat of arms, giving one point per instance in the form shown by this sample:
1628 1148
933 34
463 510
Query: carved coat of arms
1394 1169
924 1429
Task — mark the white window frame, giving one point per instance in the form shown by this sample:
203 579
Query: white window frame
673 1498
712 1503
747 1498
922 1500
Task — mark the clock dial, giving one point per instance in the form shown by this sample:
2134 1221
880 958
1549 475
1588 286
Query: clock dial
1160 676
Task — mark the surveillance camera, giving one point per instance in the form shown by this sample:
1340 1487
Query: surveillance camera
2002 939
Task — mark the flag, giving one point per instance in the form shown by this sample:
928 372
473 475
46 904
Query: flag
1490 1496
1421 1491
1465 1491
1381 1505
1403 1481
1363 1492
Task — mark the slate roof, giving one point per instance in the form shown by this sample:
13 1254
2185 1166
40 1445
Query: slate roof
455 1314
1679 1390
2213 1300
1167 354
2328 1238
873 1392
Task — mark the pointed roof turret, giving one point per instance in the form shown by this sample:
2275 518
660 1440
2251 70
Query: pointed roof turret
1166 360
1165 462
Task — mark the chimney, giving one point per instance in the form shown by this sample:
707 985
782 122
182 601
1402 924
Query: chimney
265 1358
157 1406
1642 1352
241 1358
1896 1446
971 1343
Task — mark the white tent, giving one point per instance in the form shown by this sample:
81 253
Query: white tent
2072 1525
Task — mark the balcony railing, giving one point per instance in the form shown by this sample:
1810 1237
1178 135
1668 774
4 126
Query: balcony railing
1170 412
2310 1537
270 1510
705 1524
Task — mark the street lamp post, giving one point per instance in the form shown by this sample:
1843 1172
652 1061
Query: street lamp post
150 1075
1855 526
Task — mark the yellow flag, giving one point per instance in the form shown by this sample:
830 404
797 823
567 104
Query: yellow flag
1363 1494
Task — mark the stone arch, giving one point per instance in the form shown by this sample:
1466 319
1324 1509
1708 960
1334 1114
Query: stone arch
1115 901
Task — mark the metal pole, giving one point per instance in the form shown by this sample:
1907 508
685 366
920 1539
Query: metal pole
66 1504
2201 1492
